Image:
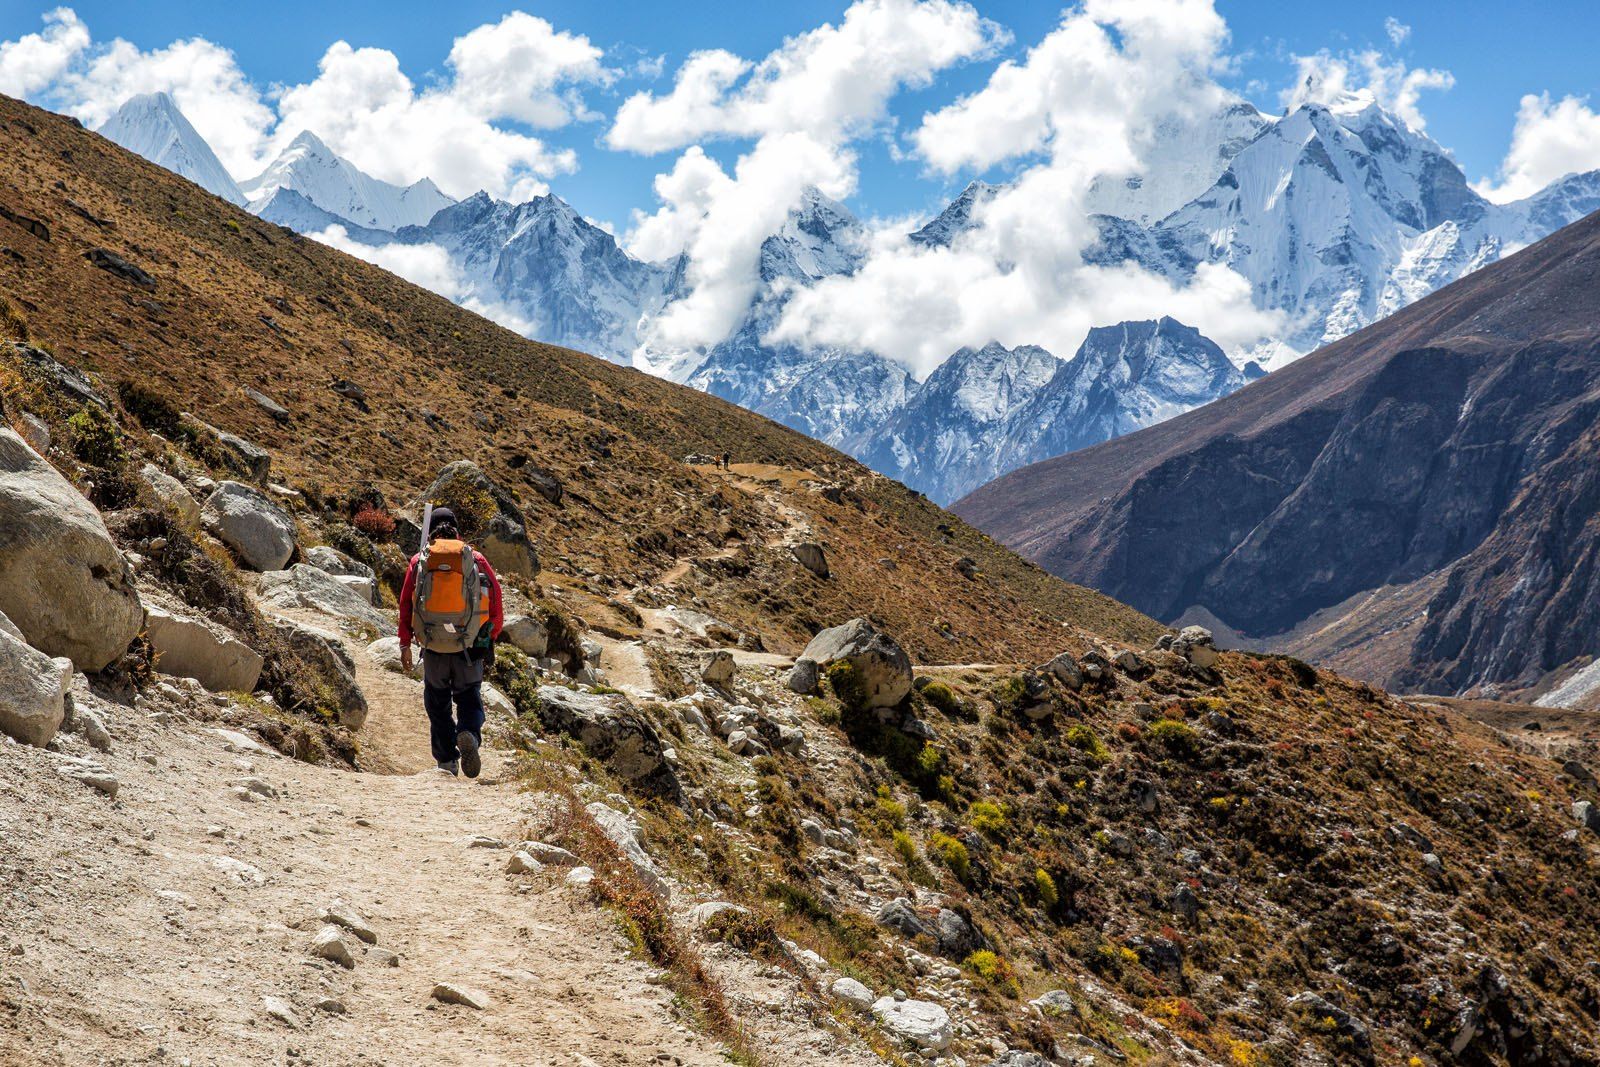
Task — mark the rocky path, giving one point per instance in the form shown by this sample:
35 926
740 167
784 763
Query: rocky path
174 924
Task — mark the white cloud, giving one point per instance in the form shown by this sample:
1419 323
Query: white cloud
428 265
804 104
1549 141
520 70
34 60
1355 79
1084 101
1397 31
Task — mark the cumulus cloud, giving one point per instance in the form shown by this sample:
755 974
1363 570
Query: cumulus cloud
1396 30
34 60
1550 140
430 266
1082 103
803 105
461 131
1325 78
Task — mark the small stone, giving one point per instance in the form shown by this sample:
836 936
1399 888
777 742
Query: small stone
281 1011
579 877
453 993
804 677
341 914
1057 1002
852 993
329 944
482 841
382 957
331 1005
549 855
522 863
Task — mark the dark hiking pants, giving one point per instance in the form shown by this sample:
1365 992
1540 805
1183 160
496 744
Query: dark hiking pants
451 678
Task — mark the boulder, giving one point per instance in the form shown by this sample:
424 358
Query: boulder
504 539
1587 815
41 367
611 730
191 647
1320 1008
957 937
629 839
1064 669
337 563
881 665
385 651
901 916
62 581
804 677
1056 1002
852 993
528 634
918 1022
325 654
171 492
276 411
1195 644
718 668
330 944
341 914
304 586
258 531
33 691
809 555
466 996
245 457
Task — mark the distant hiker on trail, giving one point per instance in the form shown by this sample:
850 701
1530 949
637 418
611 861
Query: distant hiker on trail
452 598
727 461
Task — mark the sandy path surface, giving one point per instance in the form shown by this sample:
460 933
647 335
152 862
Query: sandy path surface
161 927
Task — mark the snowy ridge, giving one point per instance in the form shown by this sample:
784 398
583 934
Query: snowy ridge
335 185
151 125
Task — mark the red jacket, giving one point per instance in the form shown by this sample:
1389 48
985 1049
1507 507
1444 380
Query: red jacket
497 614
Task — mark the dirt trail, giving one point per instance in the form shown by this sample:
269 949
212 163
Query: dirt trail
158 927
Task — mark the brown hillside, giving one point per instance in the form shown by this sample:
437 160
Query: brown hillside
239 303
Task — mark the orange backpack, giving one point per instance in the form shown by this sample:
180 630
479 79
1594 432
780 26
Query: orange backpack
451 602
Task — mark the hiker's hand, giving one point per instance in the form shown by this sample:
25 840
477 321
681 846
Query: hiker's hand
406 662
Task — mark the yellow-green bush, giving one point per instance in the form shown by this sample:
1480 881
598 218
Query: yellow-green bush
845 681
944 698
1085 740
987 817
953 854
1045 887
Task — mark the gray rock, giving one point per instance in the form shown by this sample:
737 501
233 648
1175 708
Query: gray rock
957 937
549 855
88 772
304 586
1064 668
522 863
882 666
505 542
528 634
341 914
466 996
192 647
579 877
329 944
1057 1002
809 555
1319 1007
852 993
325 654
279 1009
33 690
804 677
918 1022
385 651
1587 814
1018 1058
337 563
245 457
629 839
901 916
258 531
171 492
276 411
87 724
718 668
63 582
701 914
1185 903
36 432
611 730
1195 644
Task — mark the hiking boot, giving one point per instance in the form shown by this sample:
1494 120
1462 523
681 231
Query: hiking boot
450 767
470 763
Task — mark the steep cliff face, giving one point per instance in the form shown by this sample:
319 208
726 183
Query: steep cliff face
1447 450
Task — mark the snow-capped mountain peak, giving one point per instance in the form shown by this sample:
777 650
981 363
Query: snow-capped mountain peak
337 186
152 126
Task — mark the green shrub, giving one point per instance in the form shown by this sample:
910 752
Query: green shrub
824 712
953 854
746 931
474 505
845 682
905 847
1085 740
889 809
987 817
944 698
1176 737
994 970
1009 694
930 759
1045 887
96 439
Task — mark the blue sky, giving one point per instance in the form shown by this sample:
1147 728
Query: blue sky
1496 53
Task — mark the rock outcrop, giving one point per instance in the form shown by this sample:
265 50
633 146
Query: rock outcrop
258 531
881 666
62 581
305 586
192 647
503 536
611 730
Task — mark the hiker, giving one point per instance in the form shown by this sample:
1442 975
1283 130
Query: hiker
727 461
452 597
